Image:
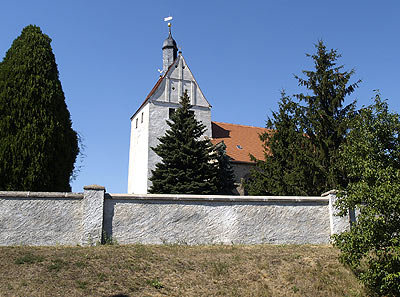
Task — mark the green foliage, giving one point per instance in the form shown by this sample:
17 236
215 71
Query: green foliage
155 283
301 152
326 119
186 165
371 158
29 258
225 175
288 165
38 147
108 239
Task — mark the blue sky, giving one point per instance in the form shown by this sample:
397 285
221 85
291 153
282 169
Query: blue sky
242 54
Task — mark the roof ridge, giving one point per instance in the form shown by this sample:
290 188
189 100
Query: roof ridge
240 125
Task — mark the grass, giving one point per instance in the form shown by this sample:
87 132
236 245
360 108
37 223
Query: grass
175 270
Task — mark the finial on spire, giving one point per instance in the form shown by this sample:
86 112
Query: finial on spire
169 24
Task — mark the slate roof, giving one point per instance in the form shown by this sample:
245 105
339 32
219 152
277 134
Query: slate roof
240 140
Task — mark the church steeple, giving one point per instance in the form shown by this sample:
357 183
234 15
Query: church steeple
149 122
170 51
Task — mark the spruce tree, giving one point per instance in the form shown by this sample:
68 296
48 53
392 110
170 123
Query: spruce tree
326 118
301 151
187 165
38 147
225 175
288 167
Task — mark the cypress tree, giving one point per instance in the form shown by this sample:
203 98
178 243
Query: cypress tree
38 147
187 165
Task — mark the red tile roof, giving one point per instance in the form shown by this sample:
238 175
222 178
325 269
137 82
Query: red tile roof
240 140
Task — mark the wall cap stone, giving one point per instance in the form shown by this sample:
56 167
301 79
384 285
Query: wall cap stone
216 198
24 194
94 187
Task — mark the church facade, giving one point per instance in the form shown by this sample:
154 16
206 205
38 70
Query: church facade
148 123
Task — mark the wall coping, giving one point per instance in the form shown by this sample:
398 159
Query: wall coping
216 198
169 197
94 187
20 194
333 192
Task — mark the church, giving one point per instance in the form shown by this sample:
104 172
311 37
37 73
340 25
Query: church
148 123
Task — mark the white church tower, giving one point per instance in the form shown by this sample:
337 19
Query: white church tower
148 123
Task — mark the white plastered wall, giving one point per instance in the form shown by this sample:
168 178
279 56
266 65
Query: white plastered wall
138 152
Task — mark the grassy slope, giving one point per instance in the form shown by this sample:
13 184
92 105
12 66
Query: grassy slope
138 270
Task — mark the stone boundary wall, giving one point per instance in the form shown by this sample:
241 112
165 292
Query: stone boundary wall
51 218
88 218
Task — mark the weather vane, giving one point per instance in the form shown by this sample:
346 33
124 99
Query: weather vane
167 19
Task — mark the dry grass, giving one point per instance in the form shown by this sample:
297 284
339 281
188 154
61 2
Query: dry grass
171 270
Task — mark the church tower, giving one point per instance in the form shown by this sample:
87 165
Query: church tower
148 123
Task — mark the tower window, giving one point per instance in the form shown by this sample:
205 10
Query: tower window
142 118
171 112
137 121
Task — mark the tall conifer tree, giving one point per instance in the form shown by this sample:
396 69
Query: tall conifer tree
38 147
302 150
326 119
187 165
288 167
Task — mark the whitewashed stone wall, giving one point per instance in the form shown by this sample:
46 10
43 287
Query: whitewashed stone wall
49 218
338 224
40 218
156 219
28 218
